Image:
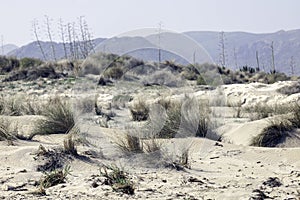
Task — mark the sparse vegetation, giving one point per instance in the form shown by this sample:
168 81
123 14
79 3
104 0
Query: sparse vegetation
117 179
5 133
180 161
152 145
188 118
290 89
54 178
263 110
70 141
273 134
30 62
18 105
279 127
139 111
59 118
113 72
129 144
8 64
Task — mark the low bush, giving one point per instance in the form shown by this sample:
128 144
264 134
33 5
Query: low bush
46 70
113 72
30 62
201 80
8 64
18 105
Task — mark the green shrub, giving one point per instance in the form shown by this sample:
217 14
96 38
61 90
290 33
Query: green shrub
8 64
201 81
113 72
30 62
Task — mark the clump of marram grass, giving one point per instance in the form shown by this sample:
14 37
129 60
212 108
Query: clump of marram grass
59 118
151 145
165 103
272 135
117 179
121 100
264 110
237 106
172 123
187 118
180 161
129 144
280 127
86 105
139 111
295 118
19 105
135 140
70 141
5 133
54 178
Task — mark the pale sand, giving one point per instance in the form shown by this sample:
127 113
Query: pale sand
227 170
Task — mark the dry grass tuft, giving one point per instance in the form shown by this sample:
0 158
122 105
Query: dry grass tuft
180 161
54 178
5 133
19 105
272 135
187 118
151 145
129 144
70 141
59 118
117 179
139 111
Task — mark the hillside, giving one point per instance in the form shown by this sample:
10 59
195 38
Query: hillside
286 45
8 48
240 48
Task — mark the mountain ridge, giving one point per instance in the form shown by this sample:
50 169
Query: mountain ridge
240 48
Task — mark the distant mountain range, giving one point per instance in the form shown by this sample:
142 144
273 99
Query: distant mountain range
7 48
240 48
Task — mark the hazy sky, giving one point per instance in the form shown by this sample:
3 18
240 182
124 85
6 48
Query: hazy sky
112 17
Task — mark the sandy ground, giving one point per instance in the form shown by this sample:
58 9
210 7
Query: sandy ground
230 169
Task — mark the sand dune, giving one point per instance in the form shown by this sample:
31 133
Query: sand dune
230 169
